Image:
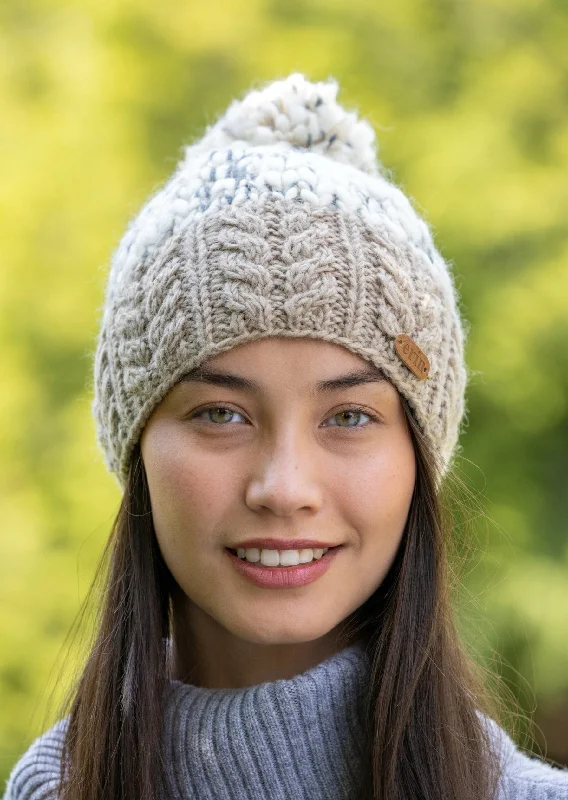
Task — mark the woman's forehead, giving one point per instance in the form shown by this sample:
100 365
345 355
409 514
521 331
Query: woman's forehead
301 353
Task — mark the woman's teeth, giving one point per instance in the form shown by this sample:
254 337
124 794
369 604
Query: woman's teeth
280 558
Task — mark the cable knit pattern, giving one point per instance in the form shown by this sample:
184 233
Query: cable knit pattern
294 739
274 270
278 222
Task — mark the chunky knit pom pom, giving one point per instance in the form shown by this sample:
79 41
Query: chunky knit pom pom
301 113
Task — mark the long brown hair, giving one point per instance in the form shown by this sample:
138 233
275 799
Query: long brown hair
425 733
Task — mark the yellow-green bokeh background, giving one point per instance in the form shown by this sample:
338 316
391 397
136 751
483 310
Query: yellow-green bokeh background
470 104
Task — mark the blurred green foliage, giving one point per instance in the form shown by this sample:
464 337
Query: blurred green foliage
470 104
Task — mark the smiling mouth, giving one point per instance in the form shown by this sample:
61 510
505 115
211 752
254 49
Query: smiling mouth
311 548
258 563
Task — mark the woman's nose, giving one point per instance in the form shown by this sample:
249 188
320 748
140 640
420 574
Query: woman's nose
285 479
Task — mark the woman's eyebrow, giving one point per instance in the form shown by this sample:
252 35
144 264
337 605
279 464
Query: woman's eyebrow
231 381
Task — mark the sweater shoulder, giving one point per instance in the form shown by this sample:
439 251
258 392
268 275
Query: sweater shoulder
36 775
530 778
527 777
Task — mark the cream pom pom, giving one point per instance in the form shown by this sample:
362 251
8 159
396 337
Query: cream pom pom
298 112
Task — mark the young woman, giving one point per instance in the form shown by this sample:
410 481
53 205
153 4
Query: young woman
279 387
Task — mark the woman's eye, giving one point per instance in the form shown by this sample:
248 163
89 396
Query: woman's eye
350 414
220 412
218 415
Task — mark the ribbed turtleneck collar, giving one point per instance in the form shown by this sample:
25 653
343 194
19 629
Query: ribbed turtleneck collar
288 739
295 739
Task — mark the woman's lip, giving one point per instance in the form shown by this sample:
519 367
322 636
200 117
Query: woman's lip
283 577
282 544
322 547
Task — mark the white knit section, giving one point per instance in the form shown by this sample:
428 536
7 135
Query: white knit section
232 176
299 113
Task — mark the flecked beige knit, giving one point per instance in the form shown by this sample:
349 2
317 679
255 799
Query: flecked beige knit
282 226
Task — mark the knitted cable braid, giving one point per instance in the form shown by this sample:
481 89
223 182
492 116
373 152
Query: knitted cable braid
278 222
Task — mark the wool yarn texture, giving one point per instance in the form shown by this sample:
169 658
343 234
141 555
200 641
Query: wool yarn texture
278 222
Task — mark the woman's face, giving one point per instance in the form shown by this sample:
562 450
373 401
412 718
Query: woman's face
227 463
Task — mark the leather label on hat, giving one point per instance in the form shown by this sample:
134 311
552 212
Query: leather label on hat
412 356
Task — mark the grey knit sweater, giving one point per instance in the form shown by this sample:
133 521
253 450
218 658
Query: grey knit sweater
283 740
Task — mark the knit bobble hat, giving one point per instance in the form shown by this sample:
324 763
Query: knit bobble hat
279 221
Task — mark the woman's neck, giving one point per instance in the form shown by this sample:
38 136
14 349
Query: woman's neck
206 654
